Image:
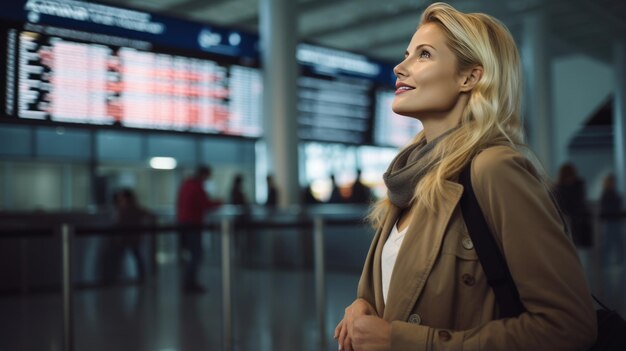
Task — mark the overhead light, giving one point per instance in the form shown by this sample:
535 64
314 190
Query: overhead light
163 163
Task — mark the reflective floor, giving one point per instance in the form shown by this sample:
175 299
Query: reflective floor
273 306
606 275
274 310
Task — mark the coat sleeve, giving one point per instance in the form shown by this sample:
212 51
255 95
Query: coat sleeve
543 263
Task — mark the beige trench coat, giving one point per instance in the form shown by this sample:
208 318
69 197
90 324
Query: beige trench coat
438 296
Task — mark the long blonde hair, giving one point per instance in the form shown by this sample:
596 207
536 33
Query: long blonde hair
493 110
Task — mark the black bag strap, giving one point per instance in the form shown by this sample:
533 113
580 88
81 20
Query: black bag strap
491 259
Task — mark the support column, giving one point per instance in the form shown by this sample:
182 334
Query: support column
537 88
8 186
619 114
68 188
320 281
278 29
67 279
227 306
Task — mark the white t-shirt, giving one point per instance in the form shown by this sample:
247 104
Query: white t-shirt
389 256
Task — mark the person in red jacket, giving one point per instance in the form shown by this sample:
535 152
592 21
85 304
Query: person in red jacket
192 204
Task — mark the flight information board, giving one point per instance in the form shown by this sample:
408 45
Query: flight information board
65 80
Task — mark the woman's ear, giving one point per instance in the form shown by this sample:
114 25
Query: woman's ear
471 77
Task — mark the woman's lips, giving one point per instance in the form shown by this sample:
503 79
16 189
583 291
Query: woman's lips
403 89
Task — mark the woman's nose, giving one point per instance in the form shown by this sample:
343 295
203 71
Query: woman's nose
399 70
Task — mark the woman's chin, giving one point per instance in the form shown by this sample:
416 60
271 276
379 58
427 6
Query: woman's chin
404 112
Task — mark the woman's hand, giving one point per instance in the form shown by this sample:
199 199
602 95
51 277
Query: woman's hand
371 333
344 330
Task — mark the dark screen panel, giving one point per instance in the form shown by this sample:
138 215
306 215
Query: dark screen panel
390 128
336 94
335 109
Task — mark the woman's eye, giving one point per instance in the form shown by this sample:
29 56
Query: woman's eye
424 54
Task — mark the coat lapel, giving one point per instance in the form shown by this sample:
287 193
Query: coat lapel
420 248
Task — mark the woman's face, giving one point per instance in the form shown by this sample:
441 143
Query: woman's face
428 82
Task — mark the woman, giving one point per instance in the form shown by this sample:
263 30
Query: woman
422 286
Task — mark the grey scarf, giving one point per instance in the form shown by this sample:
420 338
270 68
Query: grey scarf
408 168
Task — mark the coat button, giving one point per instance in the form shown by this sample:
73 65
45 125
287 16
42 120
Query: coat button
415 319
444 335
468 279
467 243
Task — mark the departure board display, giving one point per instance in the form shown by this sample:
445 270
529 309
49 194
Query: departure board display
335 109
390 128
88 63
66 80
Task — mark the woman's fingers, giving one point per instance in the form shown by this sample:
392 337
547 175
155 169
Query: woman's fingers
343 331
347 344
338 329
343 334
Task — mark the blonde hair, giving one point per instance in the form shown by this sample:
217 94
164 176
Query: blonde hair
492 114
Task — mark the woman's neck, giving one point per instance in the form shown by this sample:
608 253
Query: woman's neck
439 123
435 128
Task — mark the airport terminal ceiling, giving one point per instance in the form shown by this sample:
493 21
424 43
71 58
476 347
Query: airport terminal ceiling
334 108
344 106
381 29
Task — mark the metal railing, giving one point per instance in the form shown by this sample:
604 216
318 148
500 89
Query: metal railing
225 226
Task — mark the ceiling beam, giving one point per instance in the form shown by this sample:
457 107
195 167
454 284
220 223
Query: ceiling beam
314 5
250 21
392 53
402 10
374 45
370 20
369 24
193 5
618 24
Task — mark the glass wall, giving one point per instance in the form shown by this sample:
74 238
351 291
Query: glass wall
323 160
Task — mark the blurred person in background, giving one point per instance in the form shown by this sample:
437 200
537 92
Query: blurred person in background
612 239
128 213
272 192
335 194
237 197
571 196
308 198
610 214
361 193
422 286
192 204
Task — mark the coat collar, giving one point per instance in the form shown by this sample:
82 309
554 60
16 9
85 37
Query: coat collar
420 248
